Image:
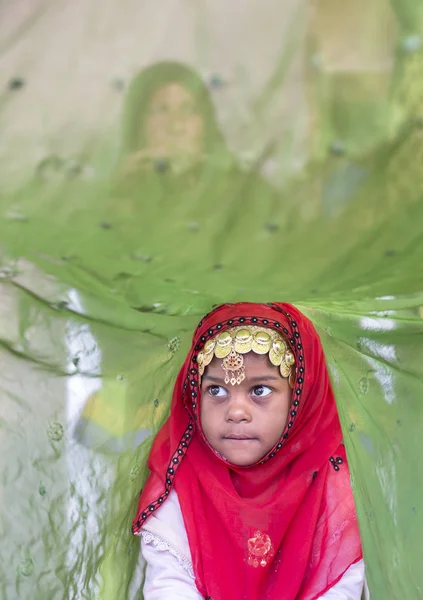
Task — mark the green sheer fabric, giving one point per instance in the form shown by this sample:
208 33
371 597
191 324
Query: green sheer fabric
295 175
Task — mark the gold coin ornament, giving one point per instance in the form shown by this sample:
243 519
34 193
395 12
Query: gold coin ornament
232 344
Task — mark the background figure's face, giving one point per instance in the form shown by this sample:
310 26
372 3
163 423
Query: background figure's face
174 126
256 410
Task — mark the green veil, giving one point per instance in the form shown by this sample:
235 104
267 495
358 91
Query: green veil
309 191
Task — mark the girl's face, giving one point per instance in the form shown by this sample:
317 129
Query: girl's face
174 125
244 422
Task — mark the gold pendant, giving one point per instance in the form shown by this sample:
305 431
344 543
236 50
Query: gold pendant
260 550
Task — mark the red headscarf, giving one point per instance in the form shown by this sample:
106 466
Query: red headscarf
284 528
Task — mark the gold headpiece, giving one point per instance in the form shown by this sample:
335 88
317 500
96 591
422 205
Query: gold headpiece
233 343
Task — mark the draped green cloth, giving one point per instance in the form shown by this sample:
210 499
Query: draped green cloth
307 189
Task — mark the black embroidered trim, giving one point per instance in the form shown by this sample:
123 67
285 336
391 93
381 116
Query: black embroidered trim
336 462
191 385
296 346
172 468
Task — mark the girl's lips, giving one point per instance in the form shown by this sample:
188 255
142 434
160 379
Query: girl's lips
239 436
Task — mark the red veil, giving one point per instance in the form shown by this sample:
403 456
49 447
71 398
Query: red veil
284 528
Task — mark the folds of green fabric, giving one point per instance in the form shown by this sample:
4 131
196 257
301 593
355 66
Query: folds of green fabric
103 281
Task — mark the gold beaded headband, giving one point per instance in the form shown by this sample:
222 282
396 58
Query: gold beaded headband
233 343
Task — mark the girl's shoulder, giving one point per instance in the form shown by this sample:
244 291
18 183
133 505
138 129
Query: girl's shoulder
165 531
169 515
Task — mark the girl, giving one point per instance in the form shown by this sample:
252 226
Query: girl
249 494
174 164
169 121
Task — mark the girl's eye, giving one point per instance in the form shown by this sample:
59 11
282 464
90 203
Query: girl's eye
261 391
217 391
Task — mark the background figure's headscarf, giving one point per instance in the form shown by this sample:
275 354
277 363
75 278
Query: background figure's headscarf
141 190
147 83
298 498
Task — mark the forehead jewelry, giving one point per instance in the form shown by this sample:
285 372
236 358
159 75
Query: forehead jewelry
231 345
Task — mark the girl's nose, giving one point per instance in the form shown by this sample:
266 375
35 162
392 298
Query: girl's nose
238 408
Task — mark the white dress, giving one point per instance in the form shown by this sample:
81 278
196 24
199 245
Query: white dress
169 573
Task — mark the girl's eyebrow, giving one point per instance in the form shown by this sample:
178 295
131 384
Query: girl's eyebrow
260 378
215 379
